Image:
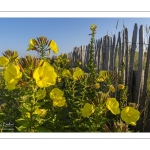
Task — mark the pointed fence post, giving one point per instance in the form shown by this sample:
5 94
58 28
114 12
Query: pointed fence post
131 65
126 57
140 62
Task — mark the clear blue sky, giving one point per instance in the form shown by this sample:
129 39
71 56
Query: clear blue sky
15 33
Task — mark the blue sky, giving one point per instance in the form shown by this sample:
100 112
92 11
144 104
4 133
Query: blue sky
15 33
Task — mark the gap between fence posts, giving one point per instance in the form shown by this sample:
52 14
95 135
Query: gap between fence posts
131 64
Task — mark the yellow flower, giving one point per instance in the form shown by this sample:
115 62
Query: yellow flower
57 96
32 42
87 110
60 102
40 94
113 105
4 61
12 74
10 86
130 115
102 76
78 73
40 112
56 93
120 86
66 73
45 75
53 46
111 88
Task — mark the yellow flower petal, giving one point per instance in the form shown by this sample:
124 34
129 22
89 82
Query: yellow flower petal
40 112
87 110
12 74
27 114
102 76
133 123
4 61
53 46
113 105
66 73
45 76
40 94
78 73
60 102
56 93
36 74
10 86
32 42
130 115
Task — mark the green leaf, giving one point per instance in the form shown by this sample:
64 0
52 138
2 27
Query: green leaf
22 121
21 129
2 116
40 129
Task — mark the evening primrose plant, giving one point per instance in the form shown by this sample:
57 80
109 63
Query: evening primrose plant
48 95
43 46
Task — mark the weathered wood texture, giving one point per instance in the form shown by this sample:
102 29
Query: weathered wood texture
113 53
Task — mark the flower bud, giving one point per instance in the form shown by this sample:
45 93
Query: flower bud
21 69
120 86
97 85
59 79
35 63
111 88
31 73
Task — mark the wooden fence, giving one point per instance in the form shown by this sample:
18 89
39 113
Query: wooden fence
111 53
